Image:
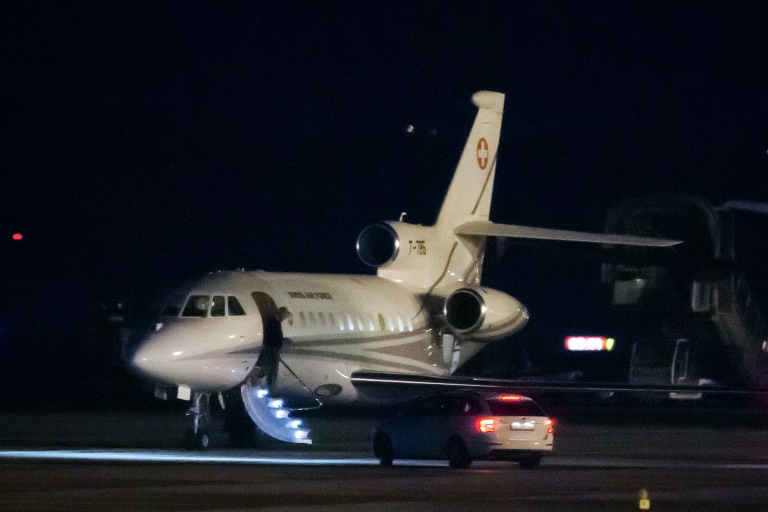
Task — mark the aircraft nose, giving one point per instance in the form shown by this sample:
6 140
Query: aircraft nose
150 358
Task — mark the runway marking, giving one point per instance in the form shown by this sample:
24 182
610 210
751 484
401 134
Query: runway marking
181 456
633 463
186 457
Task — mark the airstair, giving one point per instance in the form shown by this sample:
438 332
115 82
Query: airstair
271 415
731 307
699 286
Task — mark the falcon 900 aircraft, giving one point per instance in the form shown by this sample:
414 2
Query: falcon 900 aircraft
286 340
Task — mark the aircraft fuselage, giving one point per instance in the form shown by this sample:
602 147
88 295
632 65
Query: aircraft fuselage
337 324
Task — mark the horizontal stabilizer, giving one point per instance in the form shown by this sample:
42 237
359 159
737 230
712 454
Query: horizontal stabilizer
750 206
482 228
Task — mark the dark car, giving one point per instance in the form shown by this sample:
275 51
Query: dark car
462 426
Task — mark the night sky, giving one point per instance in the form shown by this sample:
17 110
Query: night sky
145 142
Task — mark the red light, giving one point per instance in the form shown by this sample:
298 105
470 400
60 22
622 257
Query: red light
17 236
550 423
510 398
486 425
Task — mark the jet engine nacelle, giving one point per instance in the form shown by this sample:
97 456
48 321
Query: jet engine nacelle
382 244
483 313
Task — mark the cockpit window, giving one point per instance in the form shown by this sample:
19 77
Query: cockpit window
235 309
218 305
173 306
197 306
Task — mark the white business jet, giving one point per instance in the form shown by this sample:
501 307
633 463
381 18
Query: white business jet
297 340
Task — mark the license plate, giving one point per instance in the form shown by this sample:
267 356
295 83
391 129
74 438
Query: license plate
522 425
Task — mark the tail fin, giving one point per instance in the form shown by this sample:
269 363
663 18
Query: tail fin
469 198
435 259
469 195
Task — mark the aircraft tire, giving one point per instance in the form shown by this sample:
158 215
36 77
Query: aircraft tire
200 440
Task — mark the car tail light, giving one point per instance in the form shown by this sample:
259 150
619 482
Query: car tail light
510 398
550 423
486 425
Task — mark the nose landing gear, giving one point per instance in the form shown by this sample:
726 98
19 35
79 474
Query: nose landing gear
197 435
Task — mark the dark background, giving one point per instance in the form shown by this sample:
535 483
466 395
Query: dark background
144 142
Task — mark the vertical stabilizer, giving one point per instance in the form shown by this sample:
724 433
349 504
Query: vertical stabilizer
434 260
469 195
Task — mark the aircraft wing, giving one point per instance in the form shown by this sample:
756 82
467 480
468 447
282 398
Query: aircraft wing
382 384
486 228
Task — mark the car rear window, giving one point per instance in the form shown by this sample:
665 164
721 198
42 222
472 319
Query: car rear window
522 408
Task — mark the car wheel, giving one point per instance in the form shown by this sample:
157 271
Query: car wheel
458 455
530 463
382 448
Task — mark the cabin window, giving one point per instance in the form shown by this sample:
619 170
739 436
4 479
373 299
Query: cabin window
359 323
302 319
400 323
197 306
410 325
312 320
390 323
350 322
218 305
370 323
235 309
382 327
321 317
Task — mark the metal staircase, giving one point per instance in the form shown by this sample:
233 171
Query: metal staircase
271 416
732 309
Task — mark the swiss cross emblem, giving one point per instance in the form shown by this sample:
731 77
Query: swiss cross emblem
482 153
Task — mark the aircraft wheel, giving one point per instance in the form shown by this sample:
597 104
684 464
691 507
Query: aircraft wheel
458 455
200 440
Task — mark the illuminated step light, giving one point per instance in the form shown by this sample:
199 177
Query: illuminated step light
589 343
